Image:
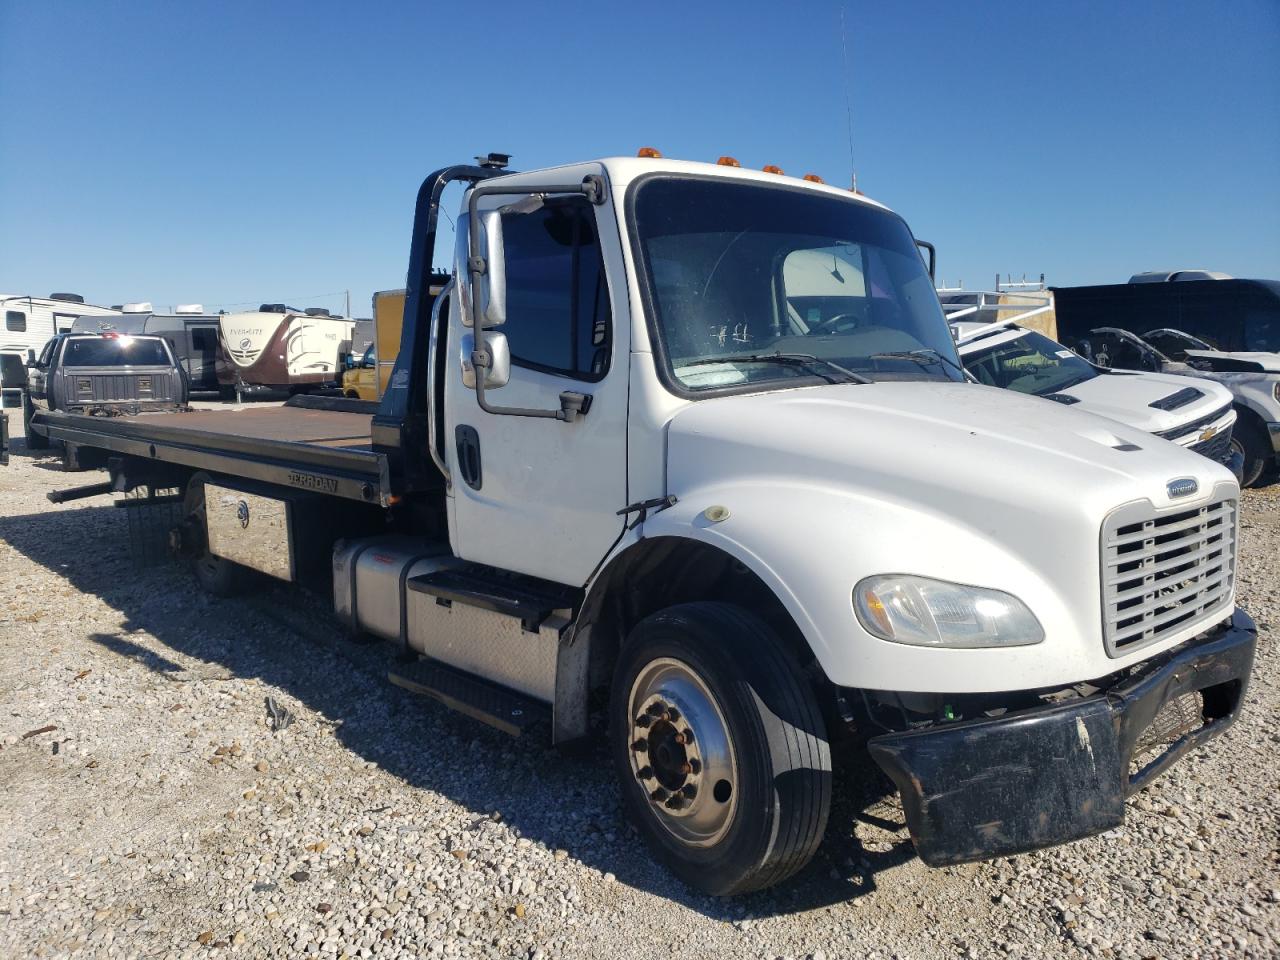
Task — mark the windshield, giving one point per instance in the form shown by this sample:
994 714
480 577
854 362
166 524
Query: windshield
1030 364
758 286
114 352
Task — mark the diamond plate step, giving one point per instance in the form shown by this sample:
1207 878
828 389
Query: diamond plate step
487 702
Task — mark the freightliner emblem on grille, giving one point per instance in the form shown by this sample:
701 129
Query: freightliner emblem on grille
1182 487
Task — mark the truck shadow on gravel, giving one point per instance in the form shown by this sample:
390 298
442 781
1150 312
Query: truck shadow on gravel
288 638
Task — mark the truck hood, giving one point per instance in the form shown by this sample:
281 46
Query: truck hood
933 444
815 489
1238 362
1128 398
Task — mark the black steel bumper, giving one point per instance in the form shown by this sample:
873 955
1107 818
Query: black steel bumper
1034 778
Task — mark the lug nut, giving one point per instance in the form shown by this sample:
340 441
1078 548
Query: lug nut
674 714
686 768
658 795
695 766
688 735
657 708
689 791
643 720
640 746
644 773
675 803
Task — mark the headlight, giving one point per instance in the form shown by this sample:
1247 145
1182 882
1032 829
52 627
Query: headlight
935 613
1275 391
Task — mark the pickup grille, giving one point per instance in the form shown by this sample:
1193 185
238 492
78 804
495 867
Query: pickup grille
1216 448
1194 426
1163 570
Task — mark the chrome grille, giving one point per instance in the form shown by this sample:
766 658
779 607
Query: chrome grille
1163 570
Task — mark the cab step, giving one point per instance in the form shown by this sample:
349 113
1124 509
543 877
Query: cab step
479 699
526 599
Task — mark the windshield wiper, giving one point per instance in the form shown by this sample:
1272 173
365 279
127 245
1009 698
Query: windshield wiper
925 356
789 359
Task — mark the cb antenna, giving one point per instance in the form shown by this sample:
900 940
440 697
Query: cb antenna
848 107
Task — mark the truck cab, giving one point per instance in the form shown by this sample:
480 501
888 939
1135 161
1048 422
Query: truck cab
694 443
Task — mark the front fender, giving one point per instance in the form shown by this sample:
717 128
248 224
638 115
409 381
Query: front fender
811 544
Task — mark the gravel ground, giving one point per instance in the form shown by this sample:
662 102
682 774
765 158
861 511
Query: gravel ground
149 809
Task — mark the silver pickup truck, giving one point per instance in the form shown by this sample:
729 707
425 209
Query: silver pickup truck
102 374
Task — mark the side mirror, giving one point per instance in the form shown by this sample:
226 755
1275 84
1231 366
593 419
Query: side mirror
498 369
929 254
488 272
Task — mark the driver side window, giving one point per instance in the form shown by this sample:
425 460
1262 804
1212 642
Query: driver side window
558 314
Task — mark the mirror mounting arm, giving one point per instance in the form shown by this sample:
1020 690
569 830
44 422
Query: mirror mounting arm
592 187
572 405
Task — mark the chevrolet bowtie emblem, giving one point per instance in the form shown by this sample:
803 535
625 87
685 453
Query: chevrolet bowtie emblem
1209 433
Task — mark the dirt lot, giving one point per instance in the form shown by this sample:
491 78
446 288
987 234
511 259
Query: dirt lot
148 808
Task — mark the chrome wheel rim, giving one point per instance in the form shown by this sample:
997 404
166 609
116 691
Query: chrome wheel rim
681 753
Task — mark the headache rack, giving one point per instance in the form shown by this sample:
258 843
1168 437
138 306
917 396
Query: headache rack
1163 570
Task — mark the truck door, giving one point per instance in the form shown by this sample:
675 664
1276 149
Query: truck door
540 496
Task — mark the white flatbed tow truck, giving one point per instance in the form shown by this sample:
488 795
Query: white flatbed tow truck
695 440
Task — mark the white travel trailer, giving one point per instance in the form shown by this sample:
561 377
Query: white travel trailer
30 322
287 350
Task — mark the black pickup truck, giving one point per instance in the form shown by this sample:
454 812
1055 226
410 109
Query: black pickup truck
101 375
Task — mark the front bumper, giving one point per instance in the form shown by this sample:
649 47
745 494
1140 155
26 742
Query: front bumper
1034 778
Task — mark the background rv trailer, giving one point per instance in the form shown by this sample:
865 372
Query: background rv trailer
288 350
29 322
192 336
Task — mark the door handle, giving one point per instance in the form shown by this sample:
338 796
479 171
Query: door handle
468 441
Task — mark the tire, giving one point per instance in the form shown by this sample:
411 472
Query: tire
1251 441
35 441
218 575
759 767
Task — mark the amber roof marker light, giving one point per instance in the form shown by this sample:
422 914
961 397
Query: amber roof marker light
727 162
650 153
772 168
814 178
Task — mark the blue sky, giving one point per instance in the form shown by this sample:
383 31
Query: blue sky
235 152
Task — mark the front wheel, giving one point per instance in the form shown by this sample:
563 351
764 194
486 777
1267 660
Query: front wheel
1252 442
720 747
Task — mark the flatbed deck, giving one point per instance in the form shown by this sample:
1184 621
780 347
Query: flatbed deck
323 450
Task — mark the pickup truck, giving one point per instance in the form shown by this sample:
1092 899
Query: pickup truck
101 374
1193 413
1253 377
693 443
